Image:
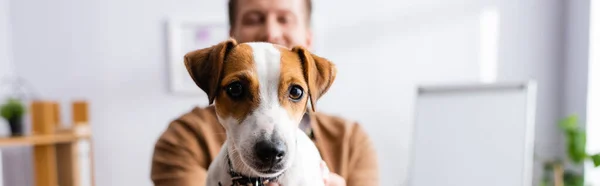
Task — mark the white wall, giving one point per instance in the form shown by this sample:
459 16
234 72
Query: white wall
576 58
5 42
113 53
4 15
576 64
592 174
531 47
5 64
15 160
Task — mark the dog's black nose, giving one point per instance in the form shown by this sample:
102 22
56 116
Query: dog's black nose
270 153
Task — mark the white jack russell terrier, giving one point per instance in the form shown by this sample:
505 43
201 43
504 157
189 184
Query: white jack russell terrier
260 92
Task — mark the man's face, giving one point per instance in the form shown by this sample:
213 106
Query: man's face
283 22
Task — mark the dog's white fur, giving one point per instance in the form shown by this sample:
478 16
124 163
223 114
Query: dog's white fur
302 159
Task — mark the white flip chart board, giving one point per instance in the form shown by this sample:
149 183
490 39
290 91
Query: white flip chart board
473 135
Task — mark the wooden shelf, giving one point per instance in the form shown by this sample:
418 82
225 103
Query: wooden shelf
41 139
60 155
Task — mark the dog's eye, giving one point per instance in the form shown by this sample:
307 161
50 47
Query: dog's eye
296 92
235 90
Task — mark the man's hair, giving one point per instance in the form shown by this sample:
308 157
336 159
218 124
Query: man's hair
232 8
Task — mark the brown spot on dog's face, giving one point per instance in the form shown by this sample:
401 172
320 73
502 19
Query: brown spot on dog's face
239 89
239 70
318 71
292 84
238 73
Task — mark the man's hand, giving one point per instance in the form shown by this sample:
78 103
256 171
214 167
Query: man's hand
330 179
335 180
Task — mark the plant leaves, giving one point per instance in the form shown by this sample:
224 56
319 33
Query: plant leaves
569 123
576 146
570 140
596 159
573 179
12 108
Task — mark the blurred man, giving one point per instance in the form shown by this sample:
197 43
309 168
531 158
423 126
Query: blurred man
187 147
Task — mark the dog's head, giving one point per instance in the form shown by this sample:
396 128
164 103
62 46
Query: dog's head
260 92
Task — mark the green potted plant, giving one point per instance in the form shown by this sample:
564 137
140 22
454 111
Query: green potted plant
13 111
575 140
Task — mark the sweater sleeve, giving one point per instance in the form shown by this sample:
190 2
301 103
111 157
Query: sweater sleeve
363 165
178 159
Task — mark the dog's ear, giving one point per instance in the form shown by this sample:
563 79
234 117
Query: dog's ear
206 65
319 74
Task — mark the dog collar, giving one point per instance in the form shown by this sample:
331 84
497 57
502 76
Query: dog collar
238 179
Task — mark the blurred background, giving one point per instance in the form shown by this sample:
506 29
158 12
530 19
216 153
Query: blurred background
114 54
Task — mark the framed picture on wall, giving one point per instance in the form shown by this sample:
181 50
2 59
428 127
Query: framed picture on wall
186 35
